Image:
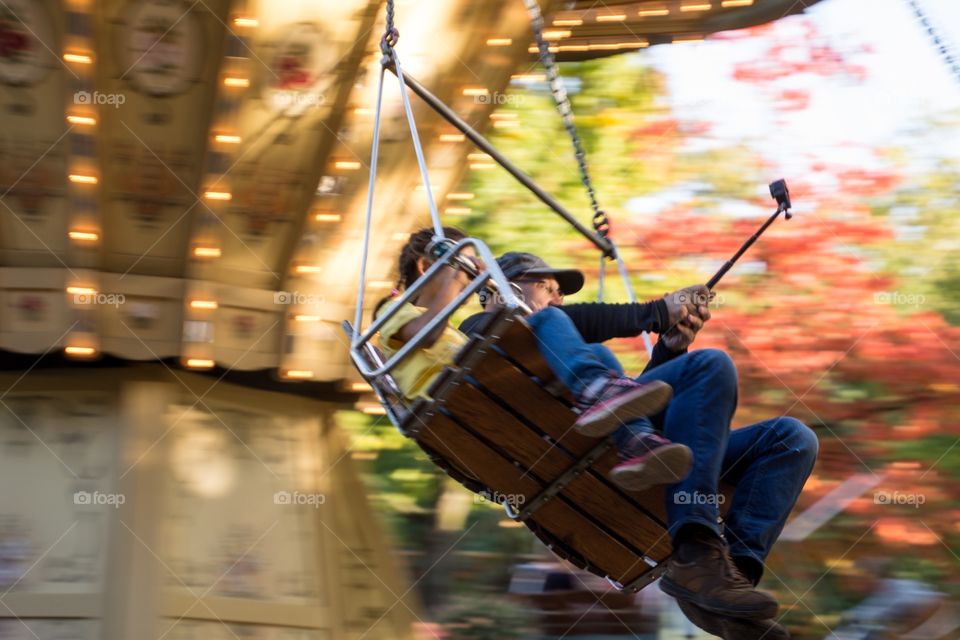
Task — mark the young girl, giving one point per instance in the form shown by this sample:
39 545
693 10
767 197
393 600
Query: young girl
609 402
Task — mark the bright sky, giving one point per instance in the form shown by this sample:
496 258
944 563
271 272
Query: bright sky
907 82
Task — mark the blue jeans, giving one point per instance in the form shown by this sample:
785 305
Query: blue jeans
577 363
767 462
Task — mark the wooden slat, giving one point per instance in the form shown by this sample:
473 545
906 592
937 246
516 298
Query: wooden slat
539 407
565 523
472 407
520 344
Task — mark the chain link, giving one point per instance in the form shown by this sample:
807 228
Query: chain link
942 46
390 35
600 221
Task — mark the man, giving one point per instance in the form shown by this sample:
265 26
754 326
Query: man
713 573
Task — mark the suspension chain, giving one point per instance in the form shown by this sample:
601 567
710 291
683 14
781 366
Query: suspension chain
601 223
390 35
942 46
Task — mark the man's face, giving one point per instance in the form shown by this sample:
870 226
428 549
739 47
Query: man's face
539 292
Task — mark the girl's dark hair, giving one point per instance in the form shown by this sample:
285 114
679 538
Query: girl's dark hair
407 264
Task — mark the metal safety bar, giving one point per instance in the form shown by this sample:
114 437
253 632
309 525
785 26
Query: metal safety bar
492 277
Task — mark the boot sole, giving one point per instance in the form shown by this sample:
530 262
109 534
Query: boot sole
732 628
605 419
758 612
668 464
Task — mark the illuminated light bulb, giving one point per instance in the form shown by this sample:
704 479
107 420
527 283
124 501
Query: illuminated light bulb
364 111
460 196
204 304
380 284
246 22
457 211
206 252
305 318
375 411
200 363
348 165
481 166
700 6
218 195
499 42
231 81
475 91
298 374
652 12
726 4
82 120
360 387
81 179
327 217
227 139
81 291
557 34
84 236
78 58
80 352
308 268
452 137
612 17
565 22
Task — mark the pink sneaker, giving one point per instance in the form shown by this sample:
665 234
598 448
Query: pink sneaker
649 460
619 401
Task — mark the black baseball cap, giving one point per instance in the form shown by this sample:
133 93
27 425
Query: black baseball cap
516 265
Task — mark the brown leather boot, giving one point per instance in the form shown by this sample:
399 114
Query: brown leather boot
704 574
732 628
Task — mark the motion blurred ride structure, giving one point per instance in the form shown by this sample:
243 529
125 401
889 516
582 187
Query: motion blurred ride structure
181 188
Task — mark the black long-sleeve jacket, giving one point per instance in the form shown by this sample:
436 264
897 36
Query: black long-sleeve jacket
599 322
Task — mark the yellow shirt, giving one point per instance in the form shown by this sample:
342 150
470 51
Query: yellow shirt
416 373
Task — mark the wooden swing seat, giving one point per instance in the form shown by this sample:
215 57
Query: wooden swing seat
497 422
